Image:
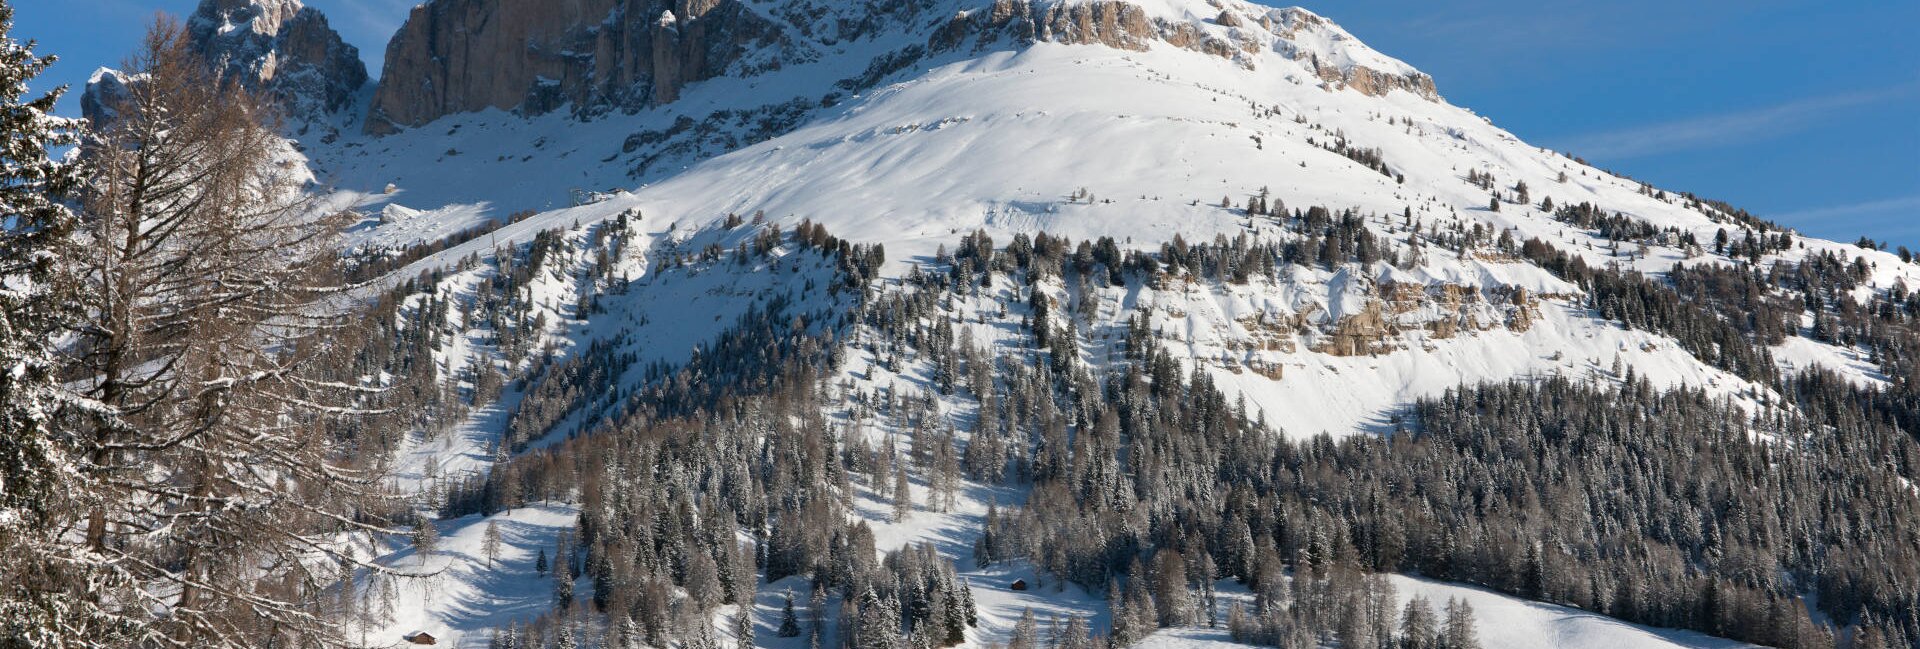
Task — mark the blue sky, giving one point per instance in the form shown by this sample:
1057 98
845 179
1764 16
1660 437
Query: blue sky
1804 112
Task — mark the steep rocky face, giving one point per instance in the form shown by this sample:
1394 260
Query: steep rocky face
282 47
1368 80
457 56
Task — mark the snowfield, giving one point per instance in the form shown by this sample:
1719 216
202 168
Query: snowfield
462 598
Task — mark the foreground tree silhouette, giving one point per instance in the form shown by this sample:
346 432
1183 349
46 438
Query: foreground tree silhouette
221 496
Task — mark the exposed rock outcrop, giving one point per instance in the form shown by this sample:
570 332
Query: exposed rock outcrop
1369 81
1441 310
534 56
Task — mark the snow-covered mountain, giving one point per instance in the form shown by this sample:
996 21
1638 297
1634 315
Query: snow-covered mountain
908 125
283 47
280 48
1113 120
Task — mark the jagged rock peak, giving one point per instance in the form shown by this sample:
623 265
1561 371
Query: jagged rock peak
106 89
282 47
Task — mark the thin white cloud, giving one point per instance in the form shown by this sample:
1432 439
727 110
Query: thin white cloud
1468 32
1723 129
1906 207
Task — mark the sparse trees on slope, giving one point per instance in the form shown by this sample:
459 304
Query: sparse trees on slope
490 543
1419 629
1461 631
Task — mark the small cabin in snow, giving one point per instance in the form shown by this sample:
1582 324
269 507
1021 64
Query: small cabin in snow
421 637
1018 584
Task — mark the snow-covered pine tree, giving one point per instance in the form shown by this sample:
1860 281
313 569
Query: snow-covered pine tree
1026 632
743 627
426 538
789 622
878 623
39 470
562 588
902 494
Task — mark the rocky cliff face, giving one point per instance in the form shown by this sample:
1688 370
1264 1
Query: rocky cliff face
457 56
283 48
107 88
534 56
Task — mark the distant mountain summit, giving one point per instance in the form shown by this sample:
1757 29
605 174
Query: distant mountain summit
1233 30
280 47
285 48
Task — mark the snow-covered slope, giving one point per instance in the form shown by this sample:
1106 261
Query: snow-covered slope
1504 623
457 592
1085 141
1159 131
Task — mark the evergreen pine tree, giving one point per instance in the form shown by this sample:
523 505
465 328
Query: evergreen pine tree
38 476
426 538
789 623
743 626
902 494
